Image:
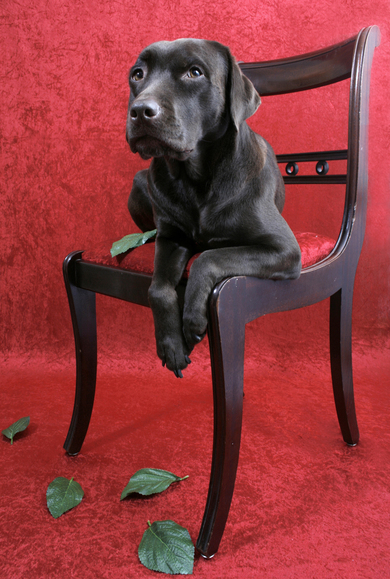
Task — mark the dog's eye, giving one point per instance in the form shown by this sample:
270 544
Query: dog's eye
195 72
137 74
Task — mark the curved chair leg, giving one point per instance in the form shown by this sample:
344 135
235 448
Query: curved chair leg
82 305
341 363
227 343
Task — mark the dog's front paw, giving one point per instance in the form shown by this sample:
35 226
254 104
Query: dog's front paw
173 355
194 330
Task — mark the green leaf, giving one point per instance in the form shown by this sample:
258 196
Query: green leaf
167 547
149 481
131 241
62 495
16 427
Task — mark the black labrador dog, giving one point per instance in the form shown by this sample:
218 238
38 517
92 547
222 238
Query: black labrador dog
213 185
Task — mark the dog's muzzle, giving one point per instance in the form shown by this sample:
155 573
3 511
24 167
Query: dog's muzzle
146 134
148 146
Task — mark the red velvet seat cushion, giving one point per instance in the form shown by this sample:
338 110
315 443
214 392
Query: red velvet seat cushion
314 248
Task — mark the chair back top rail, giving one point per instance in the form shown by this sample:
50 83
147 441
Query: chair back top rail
303 72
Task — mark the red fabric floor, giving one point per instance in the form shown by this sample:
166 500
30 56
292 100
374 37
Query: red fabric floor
305 504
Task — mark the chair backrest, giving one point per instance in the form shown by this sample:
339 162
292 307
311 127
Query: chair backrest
349 59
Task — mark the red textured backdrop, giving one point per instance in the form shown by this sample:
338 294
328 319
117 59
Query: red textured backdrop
305 506
66 169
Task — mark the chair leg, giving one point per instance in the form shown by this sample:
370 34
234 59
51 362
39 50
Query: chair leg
82 305
227 343
341 363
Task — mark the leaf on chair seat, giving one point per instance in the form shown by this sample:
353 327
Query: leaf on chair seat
131 241
149 481
167 547
16 427
62 495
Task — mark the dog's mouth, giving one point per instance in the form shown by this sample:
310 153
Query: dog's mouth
148 147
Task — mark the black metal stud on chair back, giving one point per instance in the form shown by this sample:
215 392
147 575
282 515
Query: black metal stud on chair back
239 300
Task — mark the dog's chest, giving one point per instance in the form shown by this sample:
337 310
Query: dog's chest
201 220
196 208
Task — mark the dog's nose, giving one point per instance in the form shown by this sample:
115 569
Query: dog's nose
144 110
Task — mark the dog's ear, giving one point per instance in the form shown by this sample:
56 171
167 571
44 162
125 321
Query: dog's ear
243 99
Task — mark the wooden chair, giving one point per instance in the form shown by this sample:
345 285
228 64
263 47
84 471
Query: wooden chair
236 301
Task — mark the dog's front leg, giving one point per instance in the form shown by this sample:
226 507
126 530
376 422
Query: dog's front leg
169 263
214 265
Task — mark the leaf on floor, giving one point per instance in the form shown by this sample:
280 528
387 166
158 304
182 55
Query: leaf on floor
167 547
18 426
62 495
149 481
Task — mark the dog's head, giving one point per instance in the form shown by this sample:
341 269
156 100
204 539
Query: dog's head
182 93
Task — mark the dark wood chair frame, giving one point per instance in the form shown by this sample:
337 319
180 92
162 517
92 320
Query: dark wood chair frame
238 300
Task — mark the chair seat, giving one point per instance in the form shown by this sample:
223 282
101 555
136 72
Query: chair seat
314 249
